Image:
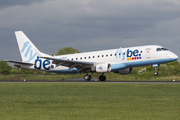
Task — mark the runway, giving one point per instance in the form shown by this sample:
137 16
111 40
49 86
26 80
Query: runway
127 82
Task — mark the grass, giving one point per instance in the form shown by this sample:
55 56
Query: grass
79 101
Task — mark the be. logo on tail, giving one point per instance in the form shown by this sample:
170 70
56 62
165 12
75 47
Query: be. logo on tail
29 50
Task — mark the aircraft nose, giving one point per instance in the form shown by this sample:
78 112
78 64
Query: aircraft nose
173 56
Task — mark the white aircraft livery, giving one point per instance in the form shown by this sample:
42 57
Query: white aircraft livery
121 60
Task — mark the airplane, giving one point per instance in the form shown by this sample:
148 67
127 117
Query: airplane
120 60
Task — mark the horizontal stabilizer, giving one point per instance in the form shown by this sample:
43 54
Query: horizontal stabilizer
18 62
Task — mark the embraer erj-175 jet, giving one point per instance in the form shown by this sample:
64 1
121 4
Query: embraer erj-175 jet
121 60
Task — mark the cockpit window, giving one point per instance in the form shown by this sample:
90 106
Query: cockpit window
164 49
161 49
158 49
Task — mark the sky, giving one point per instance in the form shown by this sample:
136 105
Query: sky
89 25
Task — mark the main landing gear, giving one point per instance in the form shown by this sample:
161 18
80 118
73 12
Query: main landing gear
88 77
102 77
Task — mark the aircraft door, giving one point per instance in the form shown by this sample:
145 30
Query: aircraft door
148 53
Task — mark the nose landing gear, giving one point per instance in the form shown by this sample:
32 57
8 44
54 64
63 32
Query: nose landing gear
156 73
155 68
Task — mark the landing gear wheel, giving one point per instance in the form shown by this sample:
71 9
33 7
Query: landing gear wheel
156 73
87 77
102 78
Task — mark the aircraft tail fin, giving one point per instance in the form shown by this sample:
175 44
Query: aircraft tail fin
27 49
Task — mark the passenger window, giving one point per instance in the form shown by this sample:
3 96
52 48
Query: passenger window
89 57
111 55
84 57
106 55
81 58
93 56
102 55
76 58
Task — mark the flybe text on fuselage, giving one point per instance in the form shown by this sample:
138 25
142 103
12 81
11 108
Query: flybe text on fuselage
129 54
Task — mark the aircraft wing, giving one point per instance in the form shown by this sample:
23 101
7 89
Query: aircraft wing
80 65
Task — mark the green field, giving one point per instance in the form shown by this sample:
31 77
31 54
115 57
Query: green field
89 101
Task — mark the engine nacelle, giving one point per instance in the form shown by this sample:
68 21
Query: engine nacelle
125 71
101 68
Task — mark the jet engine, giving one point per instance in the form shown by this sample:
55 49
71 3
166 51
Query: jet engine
101 68
125 71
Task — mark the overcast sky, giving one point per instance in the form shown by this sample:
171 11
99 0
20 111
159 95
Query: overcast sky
89 25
